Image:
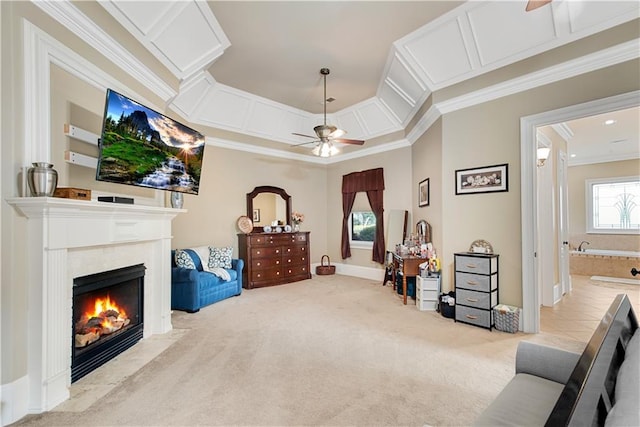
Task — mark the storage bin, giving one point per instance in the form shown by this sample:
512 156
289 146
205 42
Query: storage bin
411 286
448 311
506 318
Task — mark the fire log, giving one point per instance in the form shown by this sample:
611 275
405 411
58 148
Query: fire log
83 340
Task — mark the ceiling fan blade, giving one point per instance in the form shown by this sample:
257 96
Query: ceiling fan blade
306 136
534 4
348 141
305 143
337 133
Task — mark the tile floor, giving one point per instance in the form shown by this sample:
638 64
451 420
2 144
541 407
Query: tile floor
577 315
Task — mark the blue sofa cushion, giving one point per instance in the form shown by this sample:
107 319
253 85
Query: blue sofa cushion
184 260
220 257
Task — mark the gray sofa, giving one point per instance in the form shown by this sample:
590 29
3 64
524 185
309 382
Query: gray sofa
555 387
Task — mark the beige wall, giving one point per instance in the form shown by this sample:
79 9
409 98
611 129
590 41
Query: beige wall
426 160
578 209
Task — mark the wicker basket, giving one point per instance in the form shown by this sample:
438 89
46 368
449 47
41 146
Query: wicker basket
507 318
324 270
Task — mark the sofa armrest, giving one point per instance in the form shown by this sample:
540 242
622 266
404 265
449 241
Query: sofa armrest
238 264
182 275
545 362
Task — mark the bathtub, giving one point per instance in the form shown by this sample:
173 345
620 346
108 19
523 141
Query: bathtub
607 265
609 252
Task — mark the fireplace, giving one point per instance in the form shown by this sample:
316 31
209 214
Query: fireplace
107 317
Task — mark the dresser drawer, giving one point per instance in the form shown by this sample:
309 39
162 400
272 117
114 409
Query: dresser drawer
262 239
472 264
428 283
295 270
476 282
475 299
266 274
474 316
259 263
294 260
294 250
424 294
266 252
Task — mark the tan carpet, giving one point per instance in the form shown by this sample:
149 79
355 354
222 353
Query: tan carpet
330 351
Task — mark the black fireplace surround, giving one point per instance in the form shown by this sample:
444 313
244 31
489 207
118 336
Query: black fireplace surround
125 286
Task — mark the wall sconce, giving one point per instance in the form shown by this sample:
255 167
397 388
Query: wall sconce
543 155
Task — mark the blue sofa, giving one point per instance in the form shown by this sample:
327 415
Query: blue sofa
193 289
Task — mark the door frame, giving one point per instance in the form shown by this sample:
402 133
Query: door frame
529 188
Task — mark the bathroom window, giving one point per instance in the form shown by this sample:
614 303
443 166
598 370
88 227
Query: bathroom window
613 205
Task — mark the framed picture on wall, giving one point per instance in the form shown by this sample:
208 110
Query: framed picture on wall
486 179
256 215
423 193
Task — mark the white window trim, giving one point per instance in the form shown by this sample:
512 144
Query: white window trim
589 205
357 244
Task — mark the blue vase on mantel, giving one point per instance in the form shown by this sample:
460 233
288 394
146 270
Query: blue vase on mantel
177 200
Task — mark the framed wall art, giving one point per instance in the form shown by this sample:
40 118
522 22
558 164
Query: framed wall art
486 179
423 193
256 215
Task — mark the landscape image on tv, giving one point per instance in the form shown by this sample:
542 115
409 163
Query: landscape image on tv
142 147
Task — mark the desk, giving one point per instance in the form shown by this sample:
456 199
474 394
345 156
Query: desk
409 265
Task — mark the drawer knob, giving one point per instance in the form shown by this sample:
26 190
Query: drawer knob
468 316
258 264
277 262
258 252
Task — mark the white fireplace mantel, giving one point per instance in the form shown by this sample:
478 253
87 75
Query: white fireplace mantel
70 238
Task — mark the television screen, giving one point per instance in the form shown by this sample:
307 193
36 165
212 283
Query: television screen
142 147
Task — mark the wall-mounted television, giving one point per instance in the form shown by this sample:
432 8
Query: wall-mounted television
139 146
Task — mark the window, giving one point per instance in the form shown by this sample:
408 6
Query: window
362 229
613 205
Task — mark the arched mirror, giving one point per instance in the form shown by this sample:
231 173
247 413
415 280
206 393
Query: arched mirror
266 204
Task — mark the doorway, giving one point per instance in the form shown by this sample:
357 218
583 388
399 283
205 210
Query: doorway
531 292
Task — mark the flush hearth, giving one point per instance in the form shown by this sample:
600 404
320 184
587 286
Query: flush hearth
107 317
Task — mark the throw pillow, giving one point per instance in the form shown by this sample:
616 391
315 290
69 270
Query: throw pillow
183 259
220 257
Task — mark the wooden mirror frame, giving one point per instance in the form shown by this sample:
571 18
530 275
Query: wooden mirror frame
267 189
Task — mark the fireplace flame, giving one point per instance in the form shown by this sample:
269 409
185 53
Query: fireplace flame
105 308
106 318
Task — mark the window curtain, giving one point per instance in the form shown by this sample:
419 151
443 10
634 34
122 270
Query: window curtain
372 182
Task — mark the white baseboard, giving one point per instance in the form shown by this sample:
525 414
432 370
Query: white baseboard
15 396
370 273
557 293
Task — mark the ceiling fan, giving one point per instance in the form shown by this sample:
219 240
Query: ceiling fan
534 4
326 134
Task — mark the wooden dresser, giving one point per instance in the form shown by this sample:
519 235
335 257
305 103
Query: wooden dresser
274 258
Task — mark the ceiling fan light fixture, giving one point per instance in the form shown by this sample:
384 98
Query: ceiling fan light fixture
325 149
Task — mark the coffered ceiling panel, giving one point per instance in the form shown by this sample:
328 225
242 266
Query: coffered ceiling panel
184 35
191 94
348 120
398 105
439 52
586 14
265 119
375 120
226 108
492 21
400 78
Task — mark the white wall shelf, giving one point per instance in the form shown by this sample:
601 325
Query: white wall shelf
85 136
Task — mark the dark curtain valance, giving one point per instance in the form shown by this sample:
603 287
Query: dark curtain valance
368 180
372 182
